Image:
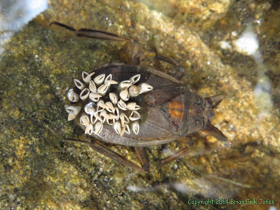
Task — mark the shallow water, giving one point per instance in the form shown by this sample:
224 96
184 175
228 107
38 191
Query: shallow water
229 48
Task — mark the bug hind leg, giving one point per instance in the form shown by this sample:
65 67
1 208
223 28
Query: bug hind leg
109 153
92 33
63 26
180 70
130 52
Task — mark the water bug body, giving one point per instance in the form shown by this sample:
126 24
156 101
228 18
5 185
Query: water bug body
168 111
136 106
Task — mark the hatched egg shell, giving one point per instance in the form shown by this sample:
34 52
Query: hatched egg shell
84 94
79 84
86 76
134 79
72 96
92 86
124 95
95 97
134 115
89 129
114 98
99 79
124 119
125 84
90 108
103 89
117 127
135 127
122 105
98 127
84 120
132 106
144 87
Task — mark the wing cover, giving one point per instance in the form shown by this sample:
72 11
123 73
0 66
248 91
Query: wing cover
161 118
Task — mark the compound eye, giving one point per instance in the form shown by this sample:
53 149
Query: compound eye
197 123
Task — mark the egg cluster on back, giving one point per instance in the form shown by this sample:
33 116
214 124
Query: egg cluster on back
117 111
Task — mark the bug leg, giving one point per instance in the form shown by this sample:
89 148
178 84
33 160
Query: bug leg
213 131
143 157
130 53
180 69
174 156
215 100
91 33
109 153
63 26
